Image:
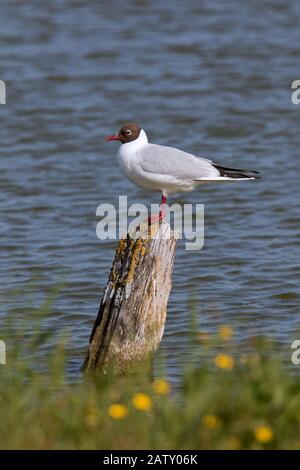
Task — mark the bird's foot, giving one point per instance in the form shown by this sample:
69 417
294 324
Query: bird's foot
156 218
152 220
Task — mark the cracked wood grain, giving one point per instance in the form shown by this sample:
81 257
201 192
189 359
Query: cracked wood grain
132 314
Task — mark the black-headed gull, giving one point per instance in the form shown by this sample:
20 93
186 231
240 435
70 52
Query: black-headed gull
167 169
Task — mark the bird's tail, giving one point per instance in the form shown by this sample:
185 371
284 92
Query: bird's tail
236 173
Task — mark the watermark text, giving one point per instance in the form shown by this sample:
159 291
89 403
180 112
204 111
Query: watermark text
2 92
295 97
187 220
2 352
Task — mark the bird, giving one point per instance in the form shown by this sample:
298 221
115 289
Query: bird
167 169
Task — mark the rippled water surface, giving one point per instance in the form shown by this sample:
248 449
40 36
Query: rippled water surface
212 78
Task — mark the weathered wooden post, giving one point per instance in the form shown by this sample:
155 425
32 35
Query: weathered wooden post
132 313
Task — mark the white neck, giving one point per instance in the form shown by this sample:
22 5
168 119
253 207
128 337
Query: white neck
136 144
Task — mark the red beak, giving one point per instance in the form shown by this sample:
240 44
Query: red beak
112 137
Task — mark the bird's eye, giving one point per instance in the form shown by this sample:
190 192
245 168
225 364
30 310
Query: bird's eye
128 132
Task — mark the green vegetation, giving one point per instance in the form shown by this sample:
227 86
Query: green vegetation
228 402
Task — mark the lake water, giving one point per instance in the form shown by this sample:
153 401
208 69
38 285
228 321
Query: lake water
212 78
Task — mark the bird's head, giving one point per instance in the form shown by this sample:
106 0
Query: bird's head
127 133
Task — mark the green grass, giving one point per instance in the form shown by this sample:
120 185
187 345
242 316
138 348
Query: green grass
249 402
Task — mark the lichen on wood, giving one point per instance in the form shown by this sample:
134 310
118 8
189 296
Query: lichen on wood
132 314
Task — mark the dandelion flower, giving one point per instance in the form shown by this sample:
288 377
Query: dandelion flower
161 386
232 443
224 361
91 417
117 411
211 421
225 332
141 401
263 434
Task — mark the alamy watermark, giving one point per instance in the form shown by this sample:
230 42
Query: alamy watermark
2 352
187 220
295 97
295 357
2 92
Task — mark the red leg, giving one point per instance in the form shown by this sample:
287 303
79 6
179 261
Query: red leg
153 219
162 213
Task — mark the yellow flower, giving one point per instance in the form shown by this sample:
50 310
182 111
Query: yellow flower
225 332
263 434
161 387
141 401
117 411
210 421
224 361
91 417
232 443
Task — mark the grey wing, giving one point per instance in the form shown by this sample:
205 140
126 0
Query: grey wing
162 160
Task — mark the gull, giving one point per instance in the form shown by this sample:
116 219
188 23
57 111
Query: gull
168 169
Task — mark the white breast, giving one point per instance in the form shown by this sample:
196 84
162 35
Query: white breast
128 156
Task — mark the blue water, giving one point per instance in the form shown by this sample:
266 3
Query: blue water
212 78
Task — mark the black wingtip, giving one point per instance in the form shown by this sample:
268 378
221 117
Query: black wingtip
236 172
